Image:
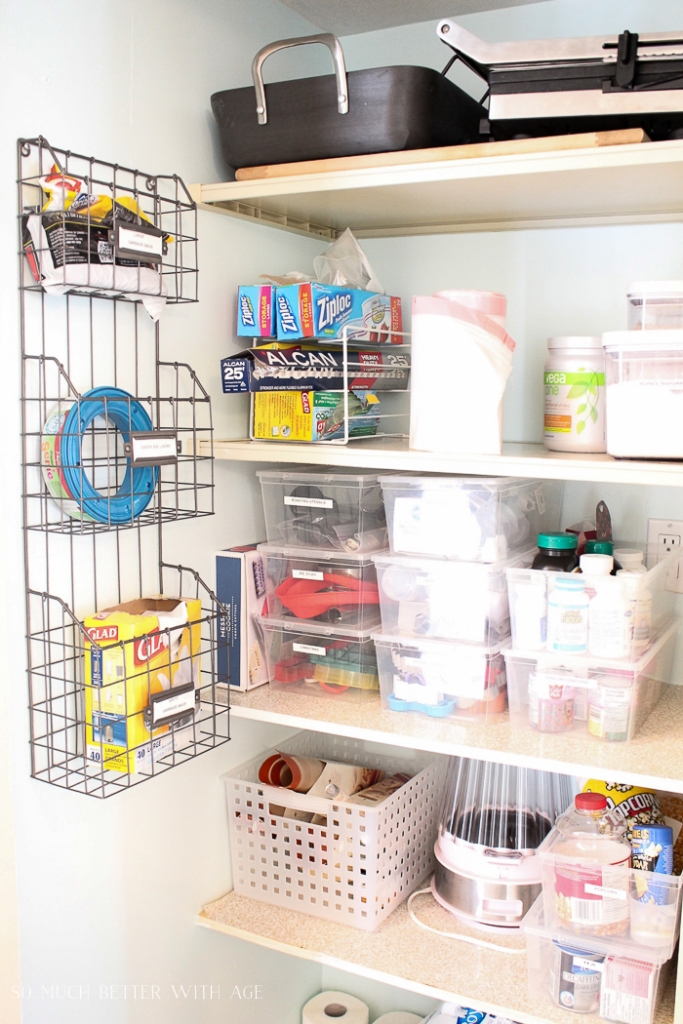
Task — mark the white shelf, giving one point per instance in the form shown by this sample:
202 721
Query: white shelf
603 185
400 954
653 758
519 460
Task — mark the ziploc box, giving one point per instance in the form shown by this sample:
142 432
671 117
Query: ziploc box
314 310
241 588
142 651
255 311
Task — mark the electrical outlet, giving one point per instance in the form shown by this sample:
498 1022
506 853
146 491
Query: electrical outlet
663 536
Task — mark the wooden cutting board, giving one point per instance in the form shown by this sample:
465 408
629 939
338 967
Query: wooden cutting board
420 156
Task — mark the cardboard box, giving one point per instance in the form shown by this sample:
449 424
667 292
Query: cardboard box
313 415
142 651
323 311
295 368
240 586
255 311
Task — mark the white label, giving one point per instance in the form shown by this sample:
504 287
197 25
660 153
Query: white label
140 241
557 679
154 448
309 649
307 574
605 892
309 502
586 965
174 704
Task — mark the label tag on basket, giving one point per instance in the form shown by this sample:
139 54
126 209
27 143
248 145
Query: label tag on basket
142 241
309 649
152 447
172 705
290 499
307 574
606 892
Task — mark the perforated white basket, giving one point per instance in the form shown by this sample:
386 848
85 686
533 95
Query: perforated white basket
355 869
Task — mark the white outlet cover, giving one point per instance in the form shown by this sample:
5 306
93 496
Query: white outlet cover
656 529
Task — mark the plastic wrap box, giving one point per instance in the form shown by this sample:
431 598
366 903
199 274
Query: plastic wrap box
308 586
590 901
440 678
321 661
241 588
579 693
475 519
651 604
440 598
359 866
599 977
335 511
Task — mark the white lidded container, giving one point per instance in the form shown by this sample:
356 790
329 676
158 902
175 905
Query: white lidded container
655 305
574 395
644 393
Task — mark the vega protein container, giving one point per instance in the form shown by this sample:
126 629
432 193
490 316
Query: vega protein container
644 393
574 395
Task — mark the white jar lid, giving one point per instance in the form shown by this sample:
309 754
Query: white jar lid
655 290
654 339
575 341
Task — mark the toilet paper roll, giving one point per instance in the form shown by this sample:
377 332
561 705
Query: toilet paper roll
335 1008
399 1017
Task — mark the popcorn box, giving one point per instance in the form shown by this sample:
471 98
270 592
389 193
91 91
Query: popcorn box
142 670
255 311
315 310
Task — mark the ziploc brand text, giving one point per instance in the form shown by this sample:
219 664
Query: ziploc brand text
313 310
255 311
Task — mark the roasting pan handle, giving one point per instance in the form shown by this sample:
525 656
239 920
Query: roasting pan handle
327 39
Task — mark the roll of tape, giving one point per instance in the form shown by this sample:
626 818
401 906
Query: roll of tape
335 1008
399 1017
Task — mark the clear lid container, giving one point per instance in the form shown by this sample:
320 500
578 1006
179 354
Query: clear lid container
590 820
655 305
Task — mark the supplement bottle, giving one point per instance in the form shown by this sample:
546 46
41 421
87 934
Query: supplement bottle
568 606
609 707
640 602
592 852
556 552
609 621
574 389
630 559
603 547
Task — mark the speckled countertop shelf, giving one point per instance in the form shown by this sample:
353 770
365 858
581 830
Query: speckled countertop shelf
401 954
654 757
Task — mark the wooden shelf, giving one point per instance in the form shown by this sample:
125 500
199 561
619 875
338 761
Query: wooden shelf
517 460
400 954
653 758
606 185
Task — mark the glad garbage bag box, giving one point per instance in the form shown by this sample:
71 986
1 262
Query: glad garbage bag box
142 671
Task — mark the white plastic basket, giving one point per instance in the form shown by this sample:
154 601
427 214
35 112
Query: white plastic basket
355 869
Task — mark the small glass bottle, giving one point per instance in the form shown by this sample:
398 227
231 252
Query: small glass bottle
556 552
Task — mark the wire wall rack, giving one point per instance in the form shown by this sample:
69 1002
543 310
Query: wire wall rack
123 647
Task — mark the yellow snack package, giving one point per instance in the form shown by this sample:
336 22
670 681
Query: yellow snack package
636 805
142 671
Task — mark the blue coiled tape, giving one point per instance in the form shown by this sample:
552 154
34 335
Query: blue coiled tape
137 488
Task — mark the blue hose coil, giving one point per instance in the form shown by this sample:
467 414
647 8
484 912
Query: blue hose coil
137 487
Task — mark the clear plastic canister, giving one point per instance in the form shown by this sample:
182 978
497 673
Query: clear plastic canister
655 305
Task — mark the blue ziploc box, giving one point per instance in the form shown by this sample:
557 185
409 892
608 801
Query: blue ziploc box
255 311
313 310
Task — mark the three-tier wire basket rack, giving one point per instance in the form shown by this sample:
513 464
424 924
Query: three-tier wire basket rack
125 649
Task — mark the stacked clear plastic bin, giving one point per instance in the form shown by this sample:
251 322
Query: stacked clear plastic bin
322 599
442 591
609 954
607 692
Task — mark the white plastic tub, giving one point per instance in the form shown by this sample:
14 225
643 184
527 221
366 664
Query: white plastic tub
644 394
474 519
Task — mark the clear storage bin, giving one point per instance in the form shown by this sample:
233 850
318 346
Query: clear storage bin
605 978
332 510
474 519
636 912
357 867
577 693
320 587
655 305
440 678
644 393
430 597
321 661
648 606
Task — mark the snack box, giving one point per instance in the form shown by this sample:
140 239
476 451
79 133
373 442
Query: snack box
142 672
255 306
315 310
313 415
241 589
280 367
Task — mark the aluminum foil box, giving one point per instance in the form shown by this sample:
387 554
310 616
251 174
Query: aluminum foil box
299 369
315 310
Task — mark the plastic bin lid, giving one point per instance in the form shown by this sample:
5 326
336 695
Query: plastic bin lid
314 476
434 644
496 483
655 290
655 339
316 630
431 563
316 554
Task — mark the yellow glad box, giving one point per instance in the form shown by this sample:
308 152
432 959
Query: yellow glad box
142 669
